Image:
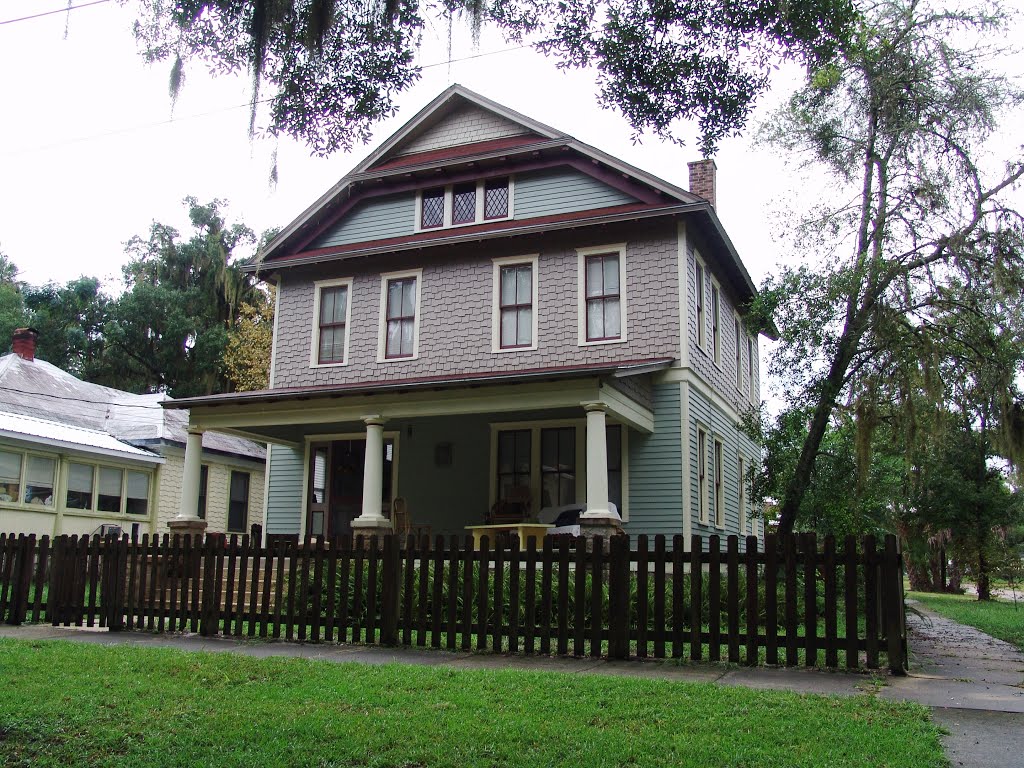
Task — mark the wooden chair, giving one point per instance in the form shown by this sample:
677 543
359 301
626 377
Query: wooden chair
514 508
401 523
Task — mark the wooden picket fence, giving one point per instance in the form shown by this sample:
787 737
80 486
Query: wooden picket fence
789 602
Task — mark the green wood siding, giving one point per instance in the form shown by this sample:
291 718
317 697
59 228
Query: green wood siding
373 219
284 494
655 470
562 191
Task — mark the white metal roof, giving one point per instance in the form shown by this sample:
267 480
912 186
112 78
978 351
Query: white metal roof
54 434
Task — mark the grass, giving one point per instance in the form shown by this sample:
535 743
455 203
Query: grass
999 618
68 704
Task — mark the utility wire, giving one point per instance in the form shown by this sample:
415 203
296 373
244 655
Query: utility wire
65 9
246 105
99 404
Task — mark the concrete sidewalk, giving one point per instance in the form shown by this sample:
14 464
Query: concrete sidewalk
973 683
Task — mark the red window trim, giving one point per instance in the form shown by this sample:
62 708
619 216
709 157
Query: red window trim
423 196
602 297
515 307
399 319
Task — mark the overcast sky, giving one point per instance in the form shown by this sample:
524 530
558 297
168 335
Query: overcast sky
90 153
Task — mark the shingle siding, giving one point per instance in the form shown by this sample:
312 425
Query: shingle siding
466 125
456 312
721 376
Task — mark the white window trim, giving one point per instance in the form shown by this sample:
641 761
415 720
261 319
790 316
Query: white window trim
716 322
700 299
23 476
751 354
741 492
718 460
581 288
535 466
382 329
740 336
64 468
448 198
509 261
703 491
314 353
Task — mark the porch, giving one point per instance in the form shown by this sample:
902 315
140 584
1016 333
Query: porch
451 453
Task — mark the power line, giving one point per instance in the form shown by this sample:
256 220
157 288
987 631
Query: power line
65 9
98 404
246 105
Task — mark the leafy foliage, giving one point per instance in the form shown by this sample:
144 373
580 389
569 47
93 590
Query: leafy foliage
70 321
247 356
171 325
936 252
335 67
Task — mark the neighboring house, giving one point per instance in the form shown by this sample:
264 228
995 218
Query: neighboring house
486 310
76 456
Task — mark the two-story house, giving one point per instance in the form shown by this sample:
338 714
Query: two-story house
487 309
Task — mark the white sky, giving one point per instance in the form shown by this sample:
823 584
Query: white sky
90 153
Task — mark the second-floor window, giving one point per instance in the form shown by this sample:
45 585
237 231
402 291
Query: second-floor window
716 336
399 338
750 367
698 298
515 304
602 304
432 208
332 311
739 351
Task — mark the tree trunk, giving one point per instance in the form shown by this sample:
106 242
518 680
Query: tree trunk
984 587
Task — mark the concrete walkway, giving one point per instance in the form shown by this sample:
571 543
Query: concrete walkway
973 683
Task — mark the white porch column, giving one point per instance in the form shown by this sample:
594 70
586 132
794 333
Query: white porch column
188 522
597 464
189 509
373 476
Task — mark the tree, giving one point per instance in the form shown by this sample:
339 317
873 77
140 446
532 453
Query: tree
335 67
70 321
12 303
170 327
898 124
247 356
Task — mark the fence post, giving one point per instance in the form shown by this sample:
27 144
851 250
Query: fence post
390 590
207 553
116 554
22 555
619 609
892 585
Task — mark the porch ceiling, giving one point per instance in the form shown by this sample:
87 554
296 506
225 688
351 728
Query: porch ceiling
283 416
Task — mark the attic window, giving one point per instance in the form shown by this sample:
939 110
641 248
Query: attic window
433 209
471 202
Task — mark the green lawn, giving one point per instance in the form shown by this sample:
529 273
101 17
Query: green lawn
999 618
67 704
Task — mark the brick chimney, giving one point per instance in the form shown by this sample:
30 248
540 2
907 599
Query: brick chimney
702 179
24 343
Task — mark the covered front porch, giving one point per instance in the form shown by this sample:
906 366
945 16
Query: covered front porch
450 454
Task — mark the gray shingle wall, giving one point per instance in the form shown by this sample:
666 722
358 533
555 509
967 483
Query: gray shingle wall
467 125
721 376
456 311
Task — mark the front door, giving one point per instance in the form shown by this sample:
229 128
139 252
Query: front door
336 485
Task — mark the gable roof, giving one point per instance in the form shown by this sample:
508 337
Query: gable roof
35 388
409 151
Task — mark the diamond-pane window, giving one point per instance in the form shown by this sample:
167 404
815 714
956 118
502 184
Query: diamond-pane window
496 199
464 204
433 208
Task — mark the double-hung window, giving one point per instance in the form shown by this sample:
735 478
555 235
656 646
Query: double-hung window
470 202
238 503
739 352
558 466
750 367
514 464
515 304
702 475
332 308
400 299
719 487
716 336
602 294
698 298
